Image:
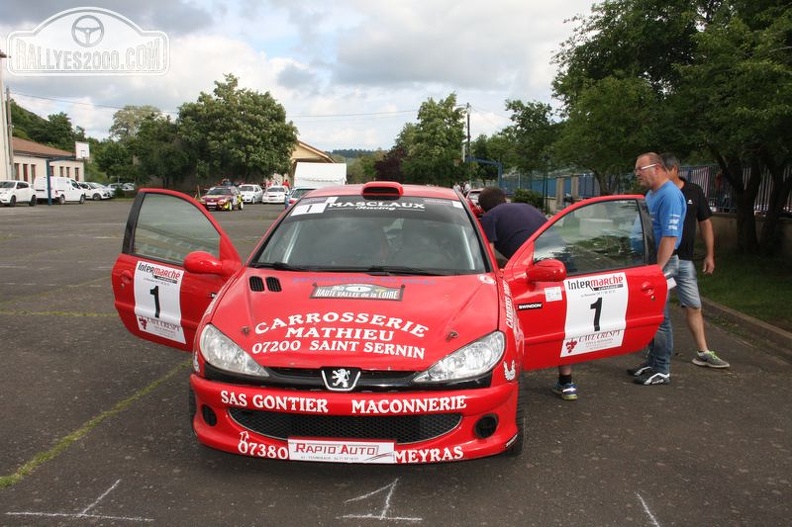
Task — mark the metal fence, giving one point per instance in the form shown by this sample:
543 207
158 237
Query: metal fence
716 188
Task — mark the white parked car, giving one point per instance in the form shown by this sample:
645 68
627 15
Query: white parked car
275 194
95 193
251 193
105 192
13 192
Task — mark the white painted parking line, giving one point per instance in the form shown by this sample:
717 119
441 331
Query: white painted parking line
85 512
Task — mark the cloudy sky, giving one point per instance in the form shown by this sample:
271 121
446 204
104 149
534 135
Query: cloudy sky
350 73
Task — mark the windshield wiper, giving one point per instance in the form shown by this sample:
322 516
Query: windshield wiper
281 266
387 270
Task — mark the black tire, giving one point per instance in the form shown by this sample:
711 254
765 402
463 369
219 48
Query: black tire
97 197
82 199
61 199
12 203
33 201
516 448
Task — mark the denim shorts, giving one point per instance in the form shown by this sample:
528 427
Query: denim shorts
687 290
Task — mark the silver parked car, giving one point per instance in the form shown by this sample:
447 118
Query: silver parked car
251 193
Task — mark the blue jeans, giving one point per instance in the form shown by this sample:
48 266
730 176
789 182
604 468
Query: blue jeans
661 349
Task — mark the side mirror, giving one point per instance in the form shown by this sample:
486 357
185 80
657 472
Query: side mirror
550 270
202 262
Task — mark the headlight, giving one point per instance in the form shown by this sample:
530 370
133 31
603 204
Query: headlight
221 352
474 360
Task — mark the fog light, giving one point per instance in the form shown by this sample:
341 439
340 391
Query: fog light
208 415
486 426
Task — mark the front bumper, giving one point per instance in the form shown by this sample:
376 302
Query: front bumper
355 427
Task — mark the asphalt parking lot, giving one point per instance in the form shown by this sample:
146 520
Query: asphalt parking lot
95 428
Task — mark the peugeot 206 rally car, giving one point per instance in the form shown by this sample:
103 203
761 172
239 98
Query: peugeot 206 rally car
371 324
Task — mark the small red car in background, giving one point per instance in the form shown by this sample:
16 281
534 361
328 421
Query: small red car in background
223 198
472 196
372 325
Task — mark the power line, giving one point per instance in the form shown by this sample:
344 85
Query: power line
296 116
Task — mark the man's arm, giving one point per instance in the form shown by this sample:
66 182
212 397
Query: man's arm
708 235
665 250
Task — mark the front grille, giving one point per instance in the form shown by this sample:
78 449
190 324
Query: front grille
399 428
370 381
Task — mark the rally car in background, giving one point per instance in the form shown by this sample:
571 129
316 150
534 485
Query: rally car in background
371 323
223 197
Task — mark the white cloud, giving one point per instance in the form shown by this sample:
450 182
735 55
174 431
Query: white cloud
350 73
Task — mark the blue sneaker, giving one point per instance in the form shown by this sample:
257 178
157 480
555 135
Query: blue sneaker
567 392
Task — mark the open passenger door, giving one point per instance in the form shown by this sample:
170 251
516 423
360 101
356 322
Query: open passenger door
585 285
174 260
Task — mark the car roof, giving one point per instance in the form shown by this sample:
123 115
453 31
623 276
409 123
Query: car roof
407 190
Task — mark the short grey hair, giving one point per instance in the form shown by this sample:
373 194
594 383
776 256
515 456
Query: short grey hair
669 161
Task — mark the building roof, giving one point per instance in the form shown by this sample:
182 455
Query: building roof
305 152
31 148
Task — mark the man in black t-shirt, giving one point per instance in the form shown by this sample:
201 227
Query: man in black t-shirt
698 212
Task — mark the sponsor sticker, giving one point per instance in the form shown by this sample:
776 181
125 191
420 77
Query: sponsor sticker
301 449
157 300
596 313
358 291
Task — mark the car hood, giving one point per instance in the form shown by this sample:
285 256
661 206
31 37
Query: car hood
299 320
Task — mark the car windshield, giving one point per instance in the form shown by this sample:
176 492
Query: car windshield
409 235
219 191
247 188
273 190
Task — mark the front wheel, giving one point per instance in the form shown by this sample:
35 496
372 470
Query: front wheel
61 199
12 203
82 199
33 201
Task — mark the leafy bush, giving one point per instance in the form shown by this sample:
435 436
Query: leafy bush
531 197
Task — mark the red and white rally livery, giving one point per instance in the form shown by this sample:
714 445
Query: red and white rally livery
372 325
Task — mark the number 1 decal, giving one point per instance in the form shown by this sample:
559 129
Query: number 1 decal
157 300
597 307
155 293
604 294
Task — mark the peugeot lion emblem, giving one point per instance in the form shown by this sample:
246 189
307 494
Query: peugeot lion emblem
340 379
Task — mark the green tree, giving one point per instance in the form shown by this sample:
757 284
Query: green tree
737 100
434 144
237 133
610 124
160 151
719 72
127 121
114 159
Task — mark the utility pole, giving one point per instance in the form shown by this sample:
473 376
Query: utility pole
7 157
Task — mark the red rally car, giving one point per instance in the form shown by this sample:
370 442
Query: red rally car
371 323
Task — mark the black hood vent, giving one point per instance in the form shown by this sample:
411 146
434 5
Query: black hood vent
257 284
273 284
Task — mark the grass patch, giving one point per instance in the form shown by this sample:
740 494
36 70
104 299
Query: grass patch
757 286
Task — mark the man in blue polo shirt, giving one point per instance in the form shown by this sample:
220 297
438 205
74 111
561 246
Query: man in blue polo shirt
667 207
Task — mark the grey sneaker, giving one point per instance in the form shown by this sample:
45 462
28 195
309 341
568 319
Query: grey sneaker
709 359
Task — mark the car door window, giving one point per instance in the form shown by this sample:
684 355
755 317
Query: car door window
168 229
601 236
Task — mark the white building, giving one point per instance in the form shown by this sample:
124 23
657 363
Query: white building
30 160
